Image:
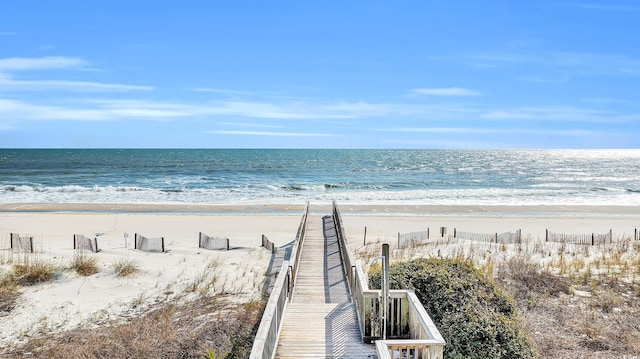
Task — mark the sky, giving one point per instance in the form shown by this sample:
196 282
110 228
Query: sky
433 74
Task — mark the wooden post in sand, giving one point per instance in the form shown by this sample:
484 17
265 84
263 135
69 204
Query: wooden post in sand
364 242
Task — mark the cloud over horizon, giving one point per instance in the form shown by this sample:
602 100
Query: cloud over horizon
380 77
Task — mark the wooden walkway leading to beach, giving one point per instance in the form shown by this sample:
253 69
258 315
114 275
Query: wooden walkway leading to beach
321 321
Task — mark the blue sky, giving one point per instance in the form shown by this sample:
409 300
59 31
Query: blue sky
320 74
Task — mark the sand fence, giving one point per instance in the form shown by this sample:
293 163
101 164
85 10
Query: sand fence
213 243
422 237
417 238
582 239
27 244
266 243
85 243
503 238
146 244
21 243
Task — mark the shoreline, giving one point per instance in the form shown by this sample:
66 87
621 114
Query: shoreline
346 209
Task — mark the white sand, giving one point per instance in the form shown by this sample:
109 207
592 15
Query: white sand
71 300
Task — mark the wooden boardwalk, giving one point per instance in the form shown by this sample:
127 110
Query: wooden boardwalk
321 321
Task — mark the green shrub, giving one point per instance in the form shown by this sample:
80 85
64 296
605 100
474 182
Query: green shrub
475 318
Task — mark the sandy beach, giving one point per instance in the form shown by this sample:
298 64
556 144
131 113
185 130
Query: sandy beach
71 300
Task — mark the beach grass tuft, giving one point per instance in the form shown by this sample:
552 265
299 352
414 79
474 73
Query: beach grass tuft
84 265
33 270
125 267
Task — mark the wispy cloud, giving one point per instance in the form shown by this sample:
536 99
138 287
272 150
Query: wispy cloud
43 63
562 114
272 134
448 130
573 63
222 91
494 131
447 91
9 84
607 7
248 124
303 110
90 111
113 110
542 79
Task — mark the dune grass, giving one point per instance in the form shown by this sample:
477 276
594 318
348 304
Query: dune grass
84 265
125 267
30 270
196 329
24 270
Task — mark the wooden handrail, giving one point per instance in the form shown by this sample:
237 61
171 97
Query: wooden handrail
264 344
297 245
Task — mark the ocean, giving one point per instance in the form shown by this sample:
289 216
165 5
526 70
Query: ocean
271 176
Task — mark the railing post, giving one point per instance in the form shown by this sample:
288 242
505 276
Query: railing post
385 289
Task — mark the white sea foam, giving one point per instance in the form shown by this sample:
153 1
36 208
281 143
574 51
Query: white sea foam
350 176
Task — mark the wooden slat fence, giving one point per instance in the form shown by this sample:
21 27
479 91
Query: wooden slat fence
581 239
213 243
83 242
412 238
478 237
266 243
505 238
21 243
145 244
510 237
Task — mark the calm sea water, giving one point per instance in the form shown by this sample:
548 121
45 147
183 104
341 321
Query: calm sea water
428 177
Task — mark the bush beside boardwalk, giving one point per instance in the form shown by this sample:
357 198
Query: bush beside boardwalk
473 315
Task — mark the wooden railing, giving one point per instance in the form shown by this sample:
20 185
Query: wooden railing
425 349
264 344
411 332
296 251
